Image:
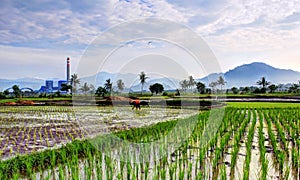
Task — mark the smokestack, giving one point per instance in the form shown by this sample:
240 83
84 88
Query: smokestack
68 70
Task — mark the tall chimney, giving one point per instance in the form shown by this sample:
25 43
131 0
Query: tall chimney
68 70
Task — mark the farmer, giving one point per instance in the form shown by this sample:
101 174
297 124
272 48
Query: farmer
136 104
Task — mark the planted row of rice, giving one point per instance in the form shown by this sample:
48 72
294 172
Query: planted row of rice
145 153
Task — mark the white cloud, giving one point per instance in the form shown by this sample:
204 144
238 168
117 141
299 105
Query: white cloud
124 11
19 62
67 25
232 28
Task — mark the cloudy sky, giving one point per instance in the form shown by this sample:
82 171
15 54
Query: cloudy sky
37 36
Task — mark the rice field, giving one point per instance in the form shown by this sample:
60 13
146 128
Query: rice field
115 143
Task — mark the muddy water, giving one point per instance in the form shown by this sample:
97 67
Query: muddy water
124 118
42 129
255 166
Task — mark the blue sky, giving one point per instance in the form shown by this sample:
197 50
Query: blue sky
37 36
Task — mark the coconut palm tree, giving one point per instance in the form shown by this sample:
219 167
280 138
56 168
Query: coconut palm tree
120 85
85 88
221 82
74 81
92 88
191 82
184 84
213 85
143 78
108 85
264 83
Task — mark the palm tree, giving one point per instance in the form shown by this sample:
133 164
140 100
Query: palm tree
143 78
74 81
184 84
263 82
108 85
120 85
213 85
191 82
221 82
92 89
85 88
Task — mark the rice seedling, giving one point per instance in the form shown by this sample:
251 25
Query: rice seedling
25 150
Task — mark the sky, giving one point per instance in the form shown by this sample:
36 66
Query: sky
37 36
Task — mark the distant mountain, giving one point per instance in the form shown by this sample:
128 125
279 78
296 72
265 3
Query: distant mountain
249 74
34 83
244 75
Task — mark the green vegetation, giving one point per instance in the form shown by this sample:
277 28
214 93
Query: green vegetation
201 156
156 88
143 79
262 104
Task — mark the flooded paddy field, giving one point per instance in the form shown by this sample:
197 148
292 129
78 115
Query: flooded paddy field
249 143
26 129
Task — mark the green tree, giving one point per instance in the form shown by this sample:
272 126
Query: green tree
6 92
221 82
235 90
85 88
246 89
156 88
184 84
101 91
120 85
143 79
58 94
272 88
200 87
65 87
16 91
294 88
213 85
108 85
264 83
2 95
191 82
74 82
177 92
92 88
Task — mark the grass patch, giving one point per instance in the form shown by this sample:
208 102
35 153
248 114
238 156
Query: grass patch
262 104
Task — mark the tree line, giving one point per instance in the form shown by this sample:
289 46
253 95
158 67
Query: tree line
186 85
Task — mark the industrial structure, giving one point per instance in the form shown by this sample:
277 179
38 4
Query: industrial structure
68 70
49 84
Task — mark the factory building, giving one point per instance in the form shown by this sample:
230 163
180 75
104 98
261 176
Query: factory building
49 84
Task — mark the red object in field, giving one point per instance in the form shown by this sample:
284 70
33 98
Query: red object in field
136 104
